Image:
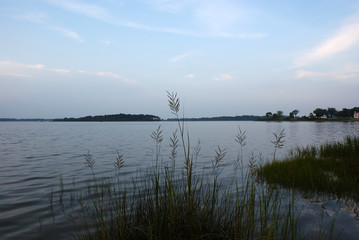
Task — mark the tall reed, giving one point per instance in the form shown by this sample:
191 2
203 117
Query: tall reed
186 204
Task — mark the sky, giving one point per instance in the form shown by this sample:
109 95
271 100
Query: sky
73 58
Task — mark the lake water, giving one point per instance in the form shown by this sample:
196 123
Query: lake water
35 155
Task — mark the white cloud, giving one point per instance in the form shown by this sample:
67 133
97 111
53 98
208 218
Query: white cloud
180 57
59 70
107 42
13 69
191 75
68 33
31 70
310 74
110 75
216 17
170 6
349 72
89 10
346 38
36 17
223 77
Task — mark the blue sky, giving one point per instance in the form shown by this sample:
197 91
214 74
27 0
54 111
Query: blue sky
64 58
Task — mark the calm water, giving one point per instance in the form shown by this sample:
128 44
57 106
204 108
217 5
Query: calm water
34 155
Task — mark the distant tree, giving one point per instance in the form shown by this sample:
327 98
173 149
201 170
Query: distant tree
291 115
280 113
295 112
275 116
319 112
269 115
347 113
331 112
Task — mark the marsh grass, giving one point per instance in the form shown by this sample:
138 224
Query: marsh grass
330 169
163 203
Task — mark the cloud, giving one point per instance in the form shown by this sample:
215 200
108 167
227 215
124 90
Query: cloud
12 69
310 74
223 77
107 42
32 70
68 33
110 75
36 17
218 15
59 70
214 17
346 38
101 14
86 9
170 6
223 19
191 75
180 57
344 73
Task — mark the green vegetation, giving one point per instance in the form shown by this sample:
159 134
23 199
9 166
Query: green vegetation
112 118
318 114
178 201
329 169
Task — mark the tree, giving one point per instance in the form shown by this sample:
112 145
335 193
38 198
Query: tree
347 113
280 113
331 111
269 115
295 112
319 112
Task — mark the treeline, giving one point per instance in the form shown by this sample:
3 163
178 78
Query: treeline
24 120
112 118
222 118
332 112
318 113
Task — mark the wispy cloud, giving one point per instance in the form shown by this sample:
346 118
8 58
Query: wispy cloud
19 65
86 9
36 17
101 14
68 33
110 75
169 6
223 77
106 42
344 73
17 69
310 74
180 57
217 17
59 70
191 75
346 38
223 19
20 70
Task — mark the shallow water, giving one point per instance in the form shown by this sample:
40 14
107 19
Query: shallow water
35 155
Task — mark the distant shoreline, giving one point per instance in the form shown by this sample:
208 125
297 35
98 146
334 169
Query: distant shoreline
152 118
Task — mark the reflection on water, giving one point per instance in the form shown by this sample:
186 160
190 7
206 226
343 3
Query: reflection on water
34 155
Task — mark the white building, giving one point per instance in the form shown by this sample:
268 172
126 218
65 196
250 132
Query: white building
356 114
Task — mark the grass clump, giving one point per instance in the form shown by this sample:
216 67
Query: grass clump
331 169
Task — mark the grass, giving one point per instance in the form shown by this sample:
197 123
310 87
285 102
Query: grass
176 201
330 169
